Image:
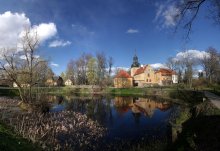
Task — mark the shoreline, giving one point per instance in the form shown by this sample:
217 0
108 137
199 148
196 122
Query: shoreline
46 129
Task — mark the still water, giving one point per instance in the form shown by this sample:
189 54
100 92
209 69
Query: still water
126 118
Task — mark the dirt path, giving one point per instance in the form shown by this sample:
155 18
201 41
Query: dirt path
215 99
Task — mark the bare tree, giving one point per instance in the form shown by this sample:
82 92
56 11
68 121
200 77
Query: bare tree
63 76
185 68
81 67
211 64
42 72
188 10
21 64
91 72
101 60
49 73
171 63
70 71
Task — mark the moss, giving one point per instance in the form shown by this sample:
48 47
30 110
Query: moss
11 142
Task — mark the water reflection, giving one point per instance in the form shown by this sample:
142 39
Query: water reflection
139 105
125 117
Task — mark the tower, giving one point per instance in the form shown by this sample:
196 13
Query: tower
135 65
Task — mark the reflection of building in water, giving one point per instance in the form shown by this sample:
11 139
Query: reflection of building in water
141 105
123 104
51 98
68 98
148 106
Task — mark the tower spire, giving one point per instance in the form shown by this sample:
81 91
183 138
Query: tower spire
135 61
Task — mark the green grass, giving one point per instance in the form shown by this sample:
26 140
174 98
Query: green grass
184 95
9 92
126 91
9 141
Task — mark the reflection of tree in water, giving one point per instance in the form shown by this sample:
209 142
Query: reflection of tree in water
100 110
109 110
78 105
96 109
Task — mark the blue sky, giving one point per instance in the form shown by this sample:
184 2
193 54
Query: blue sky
116 27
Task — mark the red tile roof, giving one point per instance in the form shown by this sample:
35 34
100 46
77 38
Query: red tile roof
140 70
166 72
122 74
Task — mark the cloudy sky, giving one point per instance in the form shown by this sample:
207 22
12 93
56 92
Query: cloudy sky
67 28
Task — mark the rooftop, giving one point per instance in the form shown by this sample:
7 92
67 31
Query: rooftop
123 74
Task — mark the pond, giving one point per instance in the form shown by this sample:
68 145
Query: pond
128 119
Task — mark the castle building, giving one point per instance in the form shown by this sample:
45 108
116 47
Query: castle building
144 75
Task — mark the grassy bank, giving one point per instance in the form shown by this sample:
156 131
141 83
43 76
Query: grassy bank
201 133
9 141
188 96
6 91
199 128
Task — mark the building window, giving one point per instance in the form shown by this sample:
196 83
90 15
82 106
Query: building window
150 80
148 75
147 80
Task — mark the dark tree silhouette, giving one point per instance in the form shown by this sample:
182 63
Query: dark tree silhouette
60 81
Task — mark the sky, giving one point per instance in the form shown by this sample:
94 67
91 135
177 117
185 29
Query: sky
119 28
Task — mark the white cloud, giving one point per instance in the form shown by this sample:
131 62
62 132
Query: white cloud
170 16
200 70
59 43
45 31
159 11
12 26
167 14
54 64
123 68
132 31
115 69
191 54
81 30
158 65
24 57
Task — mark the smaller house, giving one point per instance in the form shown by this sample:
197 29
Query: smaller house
123 80
166 76
54 81
22 85
68 82
50 82
15 85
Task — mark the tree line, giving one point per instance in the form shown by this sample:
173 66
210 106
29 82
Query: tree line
90 70
186 68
